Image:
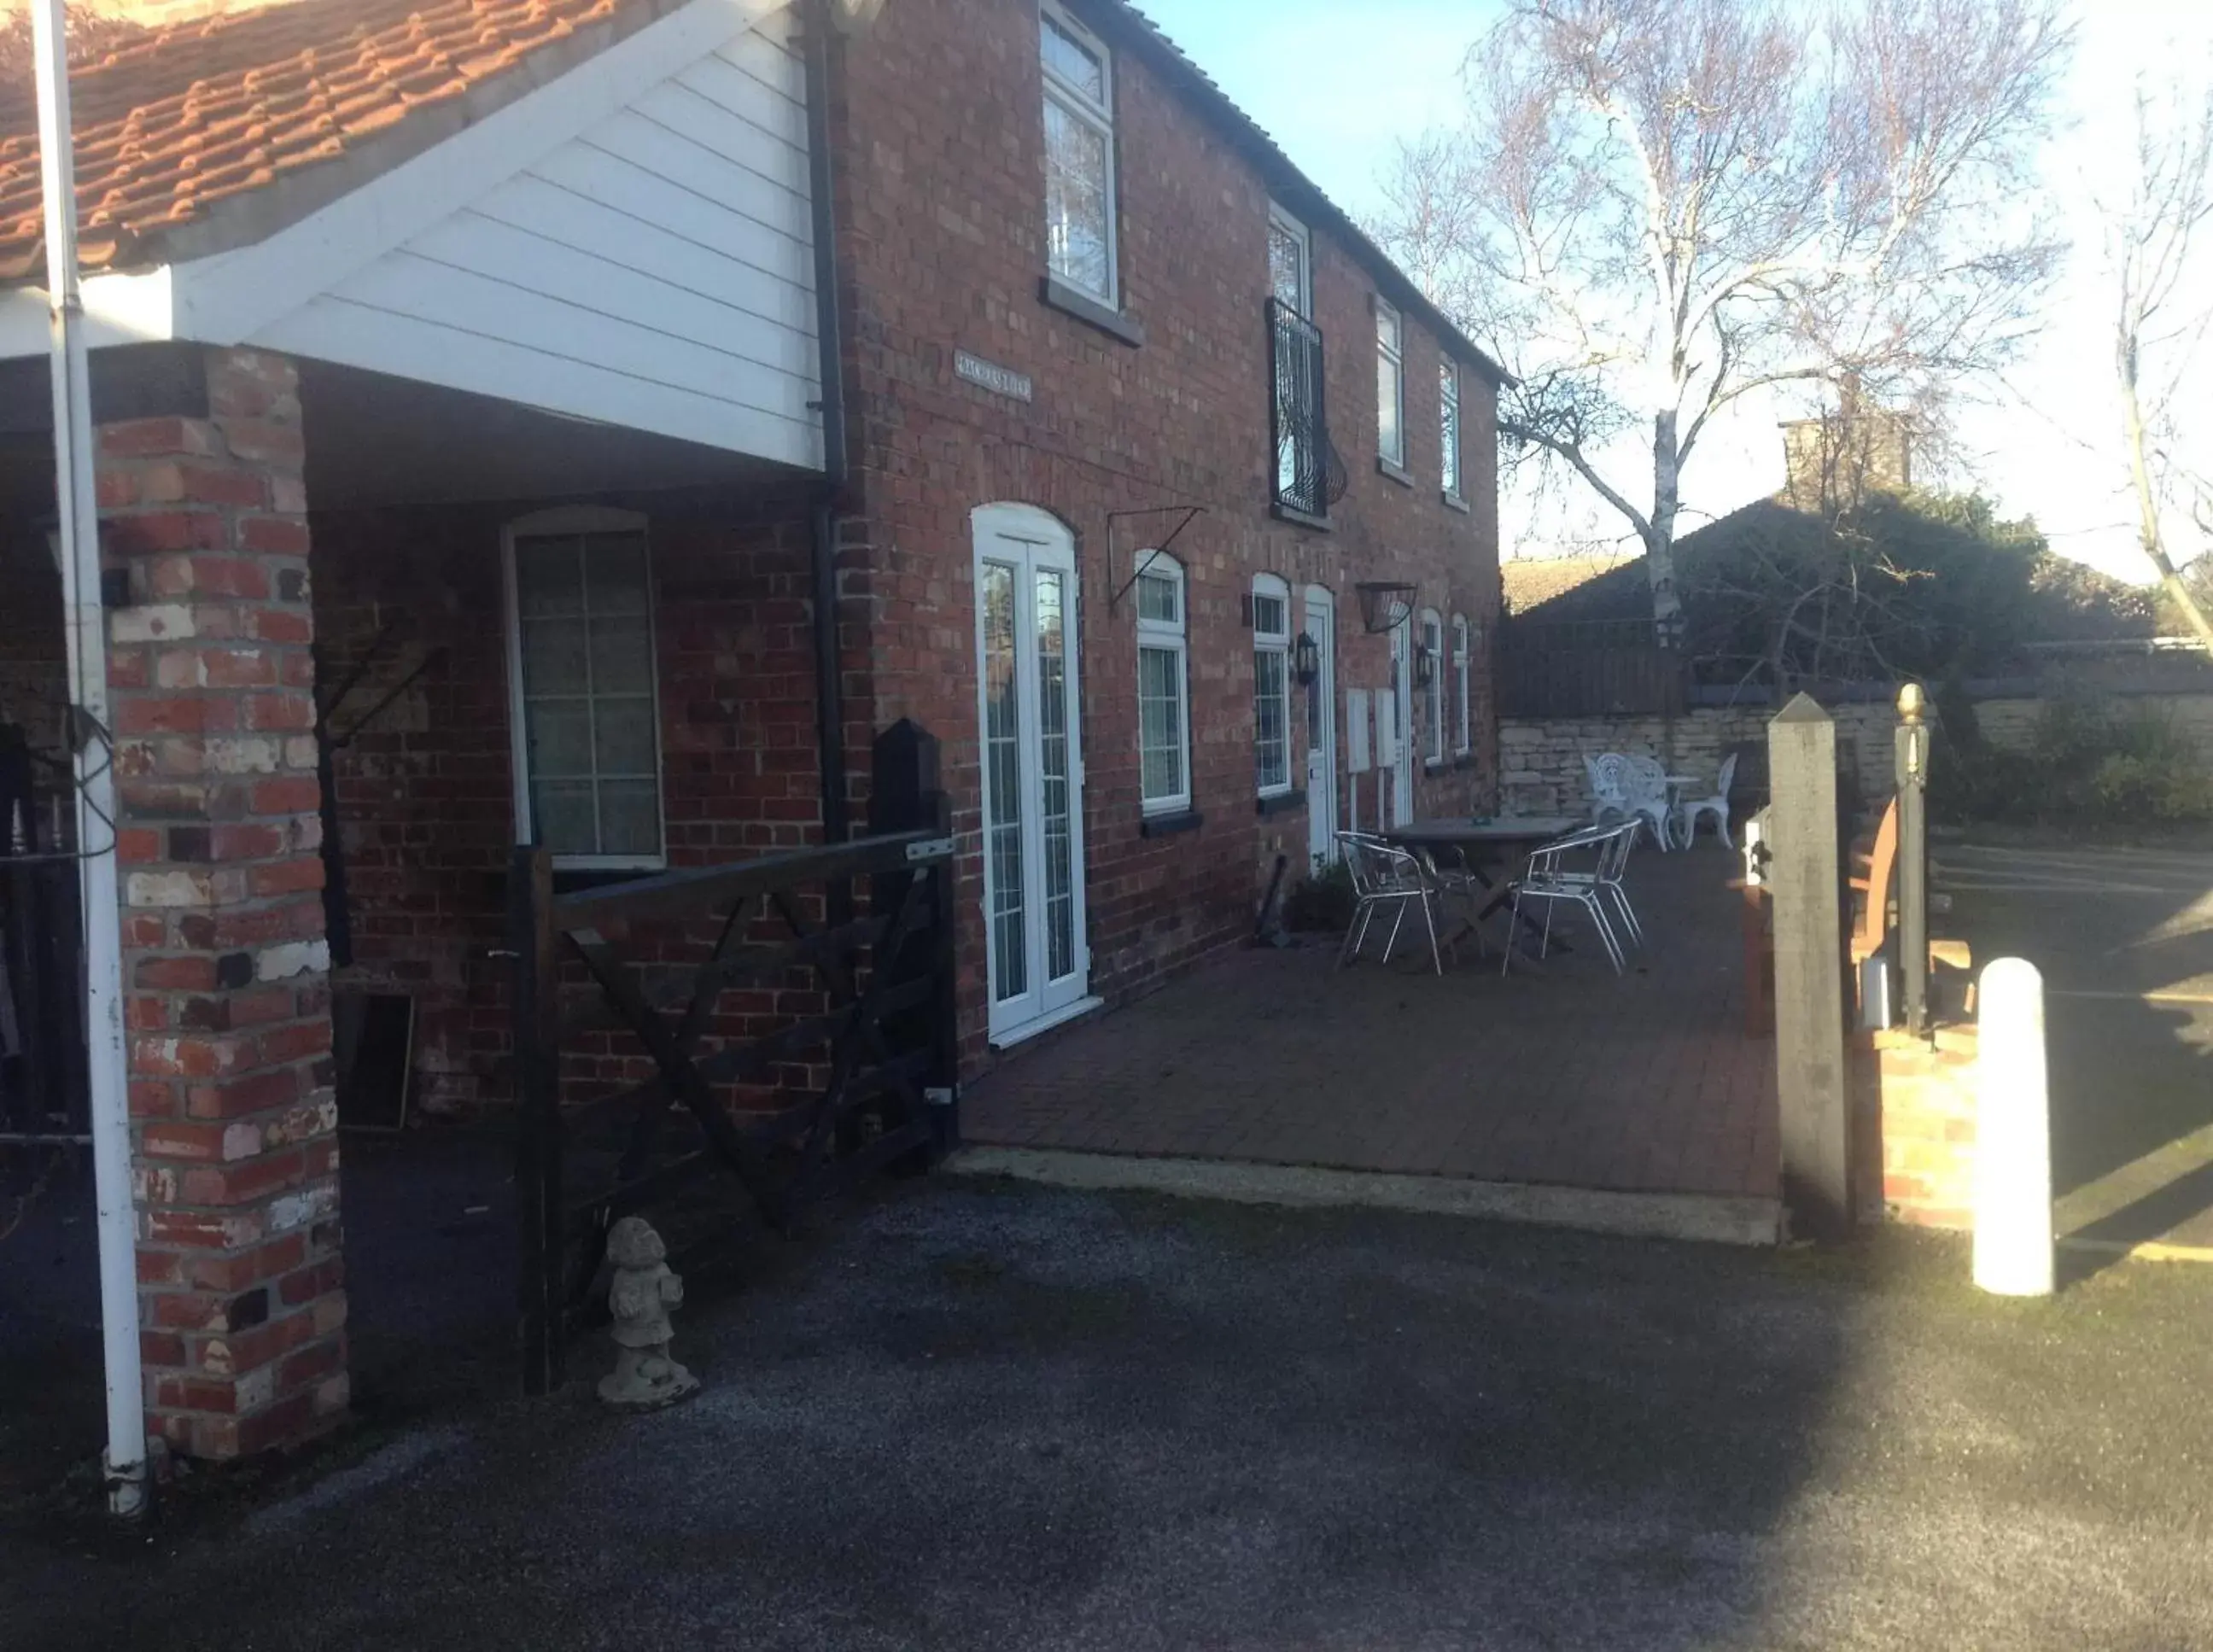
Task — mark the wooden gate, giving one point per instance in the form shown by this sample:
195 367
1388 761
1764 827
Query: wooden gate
839 1058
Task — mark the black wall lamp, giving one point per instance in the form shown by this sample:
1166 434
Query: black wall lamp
1306 659
1425 666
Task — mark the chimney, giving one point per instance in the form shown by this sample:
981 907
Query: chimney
1834 461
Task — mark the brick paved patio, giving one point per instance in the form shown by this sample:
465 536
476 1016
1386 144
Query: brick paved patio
1573 1078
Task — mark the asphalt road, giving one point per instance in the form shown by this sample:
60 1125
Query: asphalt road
2125 939
980 1417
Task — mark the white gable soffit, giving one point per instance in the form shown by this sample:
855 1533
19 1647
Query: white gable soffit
314 287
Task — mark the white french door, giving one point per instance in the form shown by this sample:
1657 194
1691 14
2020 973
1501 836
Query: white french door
1321 730
1031 740
1402 697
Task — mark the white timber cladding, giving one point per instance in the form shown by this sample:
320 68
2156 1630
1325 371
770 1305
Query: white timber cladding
655 270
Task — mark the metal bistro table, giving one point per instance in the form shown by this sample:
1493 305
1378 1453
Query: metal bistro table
1481 844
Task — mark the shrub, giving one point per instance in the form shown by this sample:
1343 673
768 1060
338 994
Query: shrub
1324 901
2088 764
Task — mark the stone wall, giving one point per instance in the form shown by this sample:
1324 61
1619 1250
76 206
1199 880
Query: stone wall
1541 761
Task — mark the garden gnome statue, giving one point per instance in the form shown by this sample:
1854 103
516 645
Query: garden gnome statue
644 1377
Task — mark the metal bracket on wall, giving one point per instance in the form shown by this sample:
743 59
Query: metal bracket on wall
1190 514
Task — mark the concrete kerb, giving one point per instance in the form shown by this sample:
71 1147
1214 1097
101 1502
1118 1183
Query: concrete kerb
1720 1219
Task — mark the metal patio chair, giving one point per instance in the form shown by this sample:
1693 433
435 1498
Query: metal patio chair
1549 879
1609 872
1384 875
1718 806
1630 787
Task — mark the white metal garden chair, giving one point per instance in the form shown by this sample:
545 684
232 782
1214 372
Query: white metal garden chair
1631 787
1718 806
1384 875
1548 879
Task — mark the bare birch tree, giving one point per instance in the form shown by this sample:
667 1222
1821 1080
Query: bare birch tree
1657 207
2156 243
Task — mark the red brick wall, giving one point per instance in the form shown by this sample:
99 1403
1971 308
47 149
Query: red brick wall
941 204
1915 1110
236 1149
426 789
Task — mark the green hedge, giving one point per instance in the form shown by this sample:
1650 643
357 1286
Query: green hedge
2090 763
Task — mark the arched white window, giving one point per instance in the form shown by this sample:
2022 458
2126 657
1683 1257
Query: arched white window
1464 740
1163 685
1271 685
583 694
1433 689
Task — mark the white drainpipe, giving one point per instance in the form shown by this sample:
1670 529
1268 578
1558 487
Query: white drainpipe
79 510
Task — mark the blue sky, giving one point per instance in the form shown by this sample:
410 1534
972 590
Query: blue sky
1337 83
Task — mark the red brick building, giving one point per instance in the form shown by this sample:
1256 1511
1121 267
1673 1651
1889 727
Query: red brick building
1130 372
502 402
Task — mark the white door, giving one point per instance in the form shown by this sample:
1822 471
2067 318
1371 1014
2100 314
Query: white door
1321 730
1033 761
1402 696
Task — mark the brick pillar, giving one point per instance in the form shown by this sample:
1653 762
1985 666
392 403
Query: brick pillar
236 1150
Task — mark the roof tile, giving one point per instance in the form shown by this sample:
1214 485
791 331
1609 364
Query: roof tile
196 113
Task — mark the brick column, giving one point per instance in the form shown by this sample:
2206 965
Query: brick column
235 1160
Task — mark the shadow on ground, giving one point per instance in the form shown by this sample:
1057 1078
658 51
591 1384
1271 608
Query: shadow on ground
431 1287
2125 940
982 1415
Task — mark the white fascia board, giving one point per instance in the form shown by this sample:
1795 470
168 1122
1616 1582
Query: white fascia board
228 297
118 309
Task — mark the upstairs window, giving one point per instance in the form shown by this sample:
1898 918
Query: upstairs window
1390 386
585 712
1271 685
1448 424
1461 664
1079 156
1290 262
1163 688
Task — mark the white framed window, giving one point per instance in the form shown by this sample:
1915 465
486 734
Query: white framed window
1464 739
1448 424
1271 685
1433 692
1163 687
1079 154
1390 384
1291 261
583 697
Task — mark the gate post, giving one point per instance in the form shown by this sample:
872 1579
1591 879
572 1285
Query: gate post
539 1210
1912 742
905 794
1804 876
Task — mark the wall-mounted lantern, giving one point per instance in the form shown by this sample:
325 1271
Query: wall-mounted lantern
1306 659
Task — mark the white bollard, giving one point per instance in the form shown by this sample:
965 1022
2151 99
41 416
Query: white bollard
2013 1135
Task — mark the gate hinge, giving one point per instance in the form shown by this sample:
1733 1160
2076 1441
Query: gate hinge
930 849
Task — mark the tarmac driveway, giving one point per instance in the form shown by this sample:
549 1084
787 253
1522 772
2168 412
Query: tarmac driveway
982 1416
2124 938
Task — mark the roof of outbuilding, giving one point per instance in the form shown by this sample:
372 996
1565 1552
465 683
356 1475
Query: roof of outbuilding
193 116
1531 582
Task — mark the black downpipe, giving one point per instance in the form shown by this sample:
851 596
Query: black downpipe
829 681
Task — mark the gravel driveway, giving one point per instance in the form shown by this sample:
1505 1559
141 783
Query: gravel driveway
981 1416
